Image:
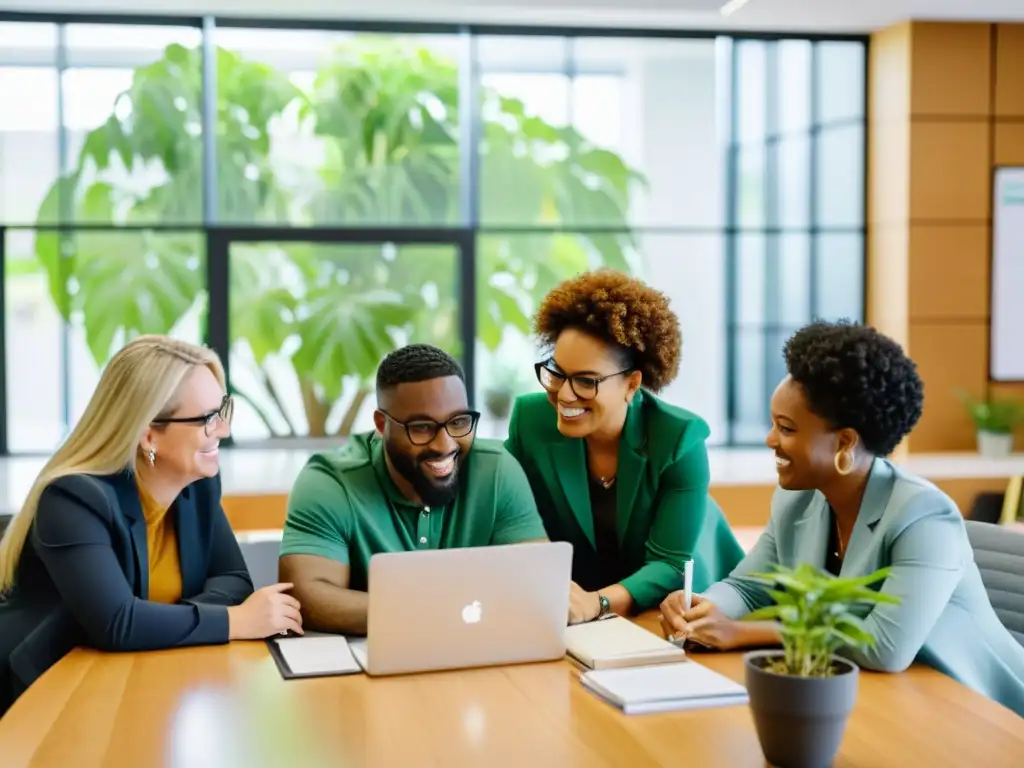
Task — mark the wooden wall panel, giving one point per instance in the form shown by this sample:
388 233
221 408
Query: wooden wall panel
1009 70
950 356
887 280
964 87
949 272
949 171
889 171
889 73
950 69
1009 141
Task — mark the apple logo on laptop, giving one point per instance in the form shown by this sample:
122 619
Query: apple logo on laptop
472 613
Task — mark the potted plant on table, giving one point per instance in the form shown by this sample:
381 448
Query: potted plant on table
994 422
802 695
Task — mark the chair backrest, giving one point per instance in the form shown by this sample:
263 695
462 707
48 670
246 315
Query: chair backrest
999 553
260 550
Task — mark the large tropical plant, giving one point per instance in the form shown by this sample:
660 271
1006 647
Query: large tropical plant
384 114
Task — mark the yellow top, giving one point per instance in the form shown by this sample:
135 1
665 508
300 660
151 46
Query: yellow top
162 542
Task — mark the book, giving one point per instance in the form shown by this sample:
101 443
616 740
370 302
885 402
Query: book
644 690
313 655
616 642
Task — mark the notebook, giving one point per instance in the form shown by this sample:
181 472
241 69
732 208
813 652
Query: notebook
642 690
313 655
617 642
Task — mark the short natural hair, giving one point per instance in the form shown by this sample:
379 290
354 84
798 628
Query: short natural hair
139 385
416 362
855 377
622 311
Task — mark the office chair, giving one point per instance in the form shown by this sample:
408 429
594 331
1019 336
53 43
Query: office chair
999 553
260 551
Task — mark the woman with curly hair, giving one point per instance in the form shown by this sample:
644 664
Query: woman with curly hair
617 472
850 397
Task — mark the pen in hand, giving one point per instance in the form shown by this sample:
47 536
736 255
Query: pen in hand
688 586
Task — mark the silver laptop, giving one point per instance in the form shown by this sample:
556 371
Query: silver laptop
472 607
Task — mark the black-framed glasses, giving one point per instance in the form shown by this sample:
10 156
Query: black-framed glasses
423 431
208 420
584 387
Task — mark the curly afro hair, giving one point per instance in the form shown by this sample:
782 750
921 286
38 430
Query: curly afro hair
856 377
622 311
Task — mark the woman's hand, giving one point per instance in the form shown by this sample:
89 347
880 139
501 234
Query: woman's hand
268 611
583 606
703 624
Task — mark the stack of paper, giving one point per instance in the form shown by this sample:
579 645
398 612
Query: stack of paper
642 690
618 642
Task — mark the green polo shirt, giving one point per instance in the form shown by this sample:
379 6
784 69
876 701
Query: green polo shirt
344 506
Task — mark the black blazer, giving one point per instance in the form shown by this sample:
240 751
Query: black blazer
83 577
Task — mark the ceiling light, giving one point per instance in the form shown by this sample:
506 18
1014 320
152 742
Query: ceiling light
732 6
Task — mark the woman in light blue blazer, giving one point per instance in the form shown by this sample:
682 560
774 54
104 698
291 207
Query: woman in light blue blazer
850 397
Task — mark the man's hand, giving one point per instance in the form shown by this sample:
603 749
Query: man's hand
583 606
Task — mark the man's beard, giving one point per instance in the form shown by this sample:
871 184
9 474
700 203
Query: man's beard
432 492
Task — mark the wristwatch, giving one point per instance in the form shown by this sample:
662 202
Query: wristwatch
605 606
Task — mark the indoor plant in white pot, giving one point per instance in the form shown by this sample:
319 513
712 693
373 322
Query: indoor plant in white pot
802 695
994 422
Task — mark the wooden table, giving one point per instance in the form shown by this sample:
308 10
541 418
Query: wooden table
221 707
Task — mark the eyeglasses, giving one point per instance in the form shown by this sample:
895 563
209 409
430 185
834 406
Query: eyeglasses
585 387
423 431
209 420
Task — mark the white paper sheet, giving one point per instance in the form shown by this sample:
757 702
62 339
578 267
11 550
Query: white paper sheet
322 654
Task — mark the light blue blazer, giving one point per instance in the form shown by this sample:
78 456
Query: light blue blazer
945 619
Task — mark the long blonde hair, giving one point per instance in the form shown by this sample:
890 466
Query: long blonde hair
138 385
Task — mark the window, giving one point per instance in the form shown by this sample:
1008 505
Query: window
798 254
840 176
840 81
610 156
337 129
310 322
131 99
331 206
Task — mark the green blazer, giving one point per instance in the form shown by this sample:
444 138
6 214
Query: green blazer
945 619
664 513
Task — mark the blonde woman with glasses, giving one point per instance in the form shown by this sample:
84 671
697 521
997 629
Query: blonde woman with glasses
122 544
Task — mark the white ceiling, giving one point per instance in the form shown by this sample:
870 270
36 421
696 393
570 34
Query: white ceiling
777 15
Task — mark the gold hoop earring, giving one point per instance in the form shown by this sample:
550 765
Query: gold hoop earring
849 468
152 456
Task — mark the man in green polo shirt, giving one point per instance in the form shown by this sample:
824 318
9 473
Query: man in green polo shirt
420 481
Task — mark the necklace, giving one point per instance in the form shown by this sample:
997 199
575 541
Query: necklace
839 541
606 482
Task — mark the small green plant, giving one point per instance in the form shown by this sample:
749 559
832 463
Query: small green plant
999 417
815 610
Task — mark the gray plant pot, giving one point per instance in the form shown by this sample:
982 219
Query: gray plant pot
800 721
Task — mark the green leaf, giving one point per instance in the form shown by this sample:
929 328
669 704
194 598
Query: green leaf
133 283
345 335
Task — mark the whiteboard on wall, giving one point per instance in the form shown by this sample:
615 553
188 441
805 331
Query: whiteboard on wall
1006 341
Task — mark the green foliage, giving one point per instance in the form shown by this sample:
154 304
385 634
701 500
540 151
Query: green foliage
815 611
991 415
385 112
